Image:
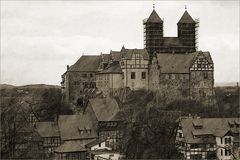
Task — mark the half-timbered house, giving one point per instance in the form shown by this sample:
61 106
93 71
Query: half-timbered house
76 131
109 123
208 138
50 134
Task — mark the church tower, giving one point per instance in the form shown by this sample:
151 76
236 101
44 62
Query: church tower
153 33
187 29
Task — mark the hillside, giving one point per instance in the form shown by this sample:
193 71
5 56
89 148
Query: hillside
44 100
228 101
43 96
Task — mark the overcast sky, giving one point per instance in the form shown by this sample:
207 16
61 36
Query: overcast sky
39 39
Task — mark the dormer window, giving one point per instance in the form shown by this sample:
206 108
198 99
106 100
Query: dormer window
198 127
197 124
81 131
89 131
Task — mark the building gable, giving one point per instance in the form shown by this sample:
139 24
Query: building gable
202 62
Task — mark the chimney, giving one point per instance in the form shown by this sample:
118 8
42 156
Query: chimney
67 67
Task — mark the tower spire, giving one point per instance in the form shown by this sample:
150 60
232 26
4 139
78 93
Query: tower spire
185 7
153 6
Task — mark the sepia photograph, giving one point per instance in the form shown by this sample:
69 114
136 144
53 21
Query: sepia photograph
119 80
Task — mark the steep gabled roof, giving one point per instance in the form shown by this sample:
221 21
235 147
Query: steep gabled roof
178 63
105 109
71 146
154 18
186 18
113 67
85 63
127 53
116 55
211 126
47 129
105 57
95 142
70 126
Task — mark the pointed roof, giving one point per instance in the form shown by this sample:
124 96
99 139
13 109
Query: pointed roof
105 109
154 18
186 18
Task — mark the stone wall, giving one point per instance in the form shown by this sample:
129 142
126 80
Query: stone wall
138 82
173 87
201 86
76 82
154 74
109 82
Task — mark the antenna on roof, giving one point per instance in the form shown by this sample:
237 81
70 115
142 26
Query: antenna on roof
185 7
153 6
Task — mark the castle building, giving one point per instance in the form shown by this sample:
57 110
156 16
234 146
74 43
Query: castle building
172 67
185 76
79 77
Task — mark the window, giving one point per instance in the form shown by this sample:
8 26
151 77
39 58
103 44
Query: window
221 152
205 75
166 76
194 146
133 76
143 75
84 75
228 140
221 140
181 76
99 144
180 135
89 131
173 76
123 76
76 83
227 152
122 63
199 66
202 93
91 75
184 92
